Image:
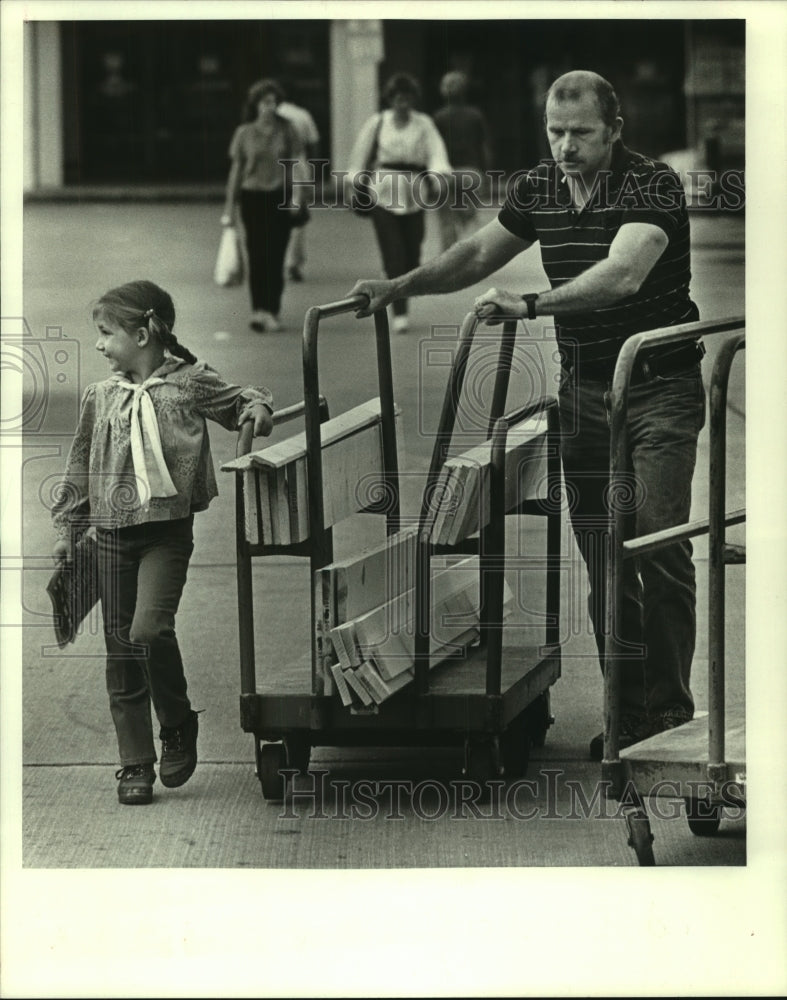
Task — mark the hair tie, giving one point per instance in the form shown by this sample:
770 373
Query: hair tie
148 313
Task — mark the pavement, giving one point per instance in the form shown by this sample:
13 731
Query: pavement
69 818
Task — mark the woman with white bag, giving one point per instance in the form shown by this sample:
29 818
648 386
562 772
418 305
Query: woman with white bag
257 184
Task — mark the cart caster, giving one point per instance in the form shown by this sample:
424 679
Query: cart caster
704 817
482 760
640 837
539 719
299 750
271 760
515 747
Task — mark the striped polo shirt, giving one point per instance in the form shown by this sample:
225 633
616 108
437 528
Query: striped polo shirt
635 189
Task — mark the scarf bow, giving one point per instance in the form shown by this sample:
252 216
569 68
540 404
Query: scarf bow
147 455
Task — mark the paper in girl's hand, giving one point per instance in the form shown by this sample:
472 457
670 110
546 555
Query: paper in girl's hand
229 261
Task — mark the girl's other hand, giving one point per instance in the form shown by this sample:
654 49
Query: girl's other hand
61 552
261 415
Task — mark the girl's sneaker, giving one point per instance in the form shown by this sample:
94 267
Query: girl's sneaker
136 784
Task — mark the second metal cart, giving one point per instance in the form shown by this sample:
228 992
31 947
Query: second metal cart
703 761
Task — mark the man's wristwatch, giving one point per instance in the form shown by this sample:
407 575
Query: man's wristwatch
530 298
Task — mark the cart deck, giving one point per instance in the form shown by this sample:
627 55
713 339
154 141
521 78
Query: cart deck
456 704
679 757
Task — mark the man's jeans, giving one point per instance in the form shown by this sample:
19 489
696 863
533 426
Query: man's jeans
142 575
658 627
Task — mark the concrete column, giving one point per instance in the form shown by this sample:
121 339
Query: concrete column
356 52
43 106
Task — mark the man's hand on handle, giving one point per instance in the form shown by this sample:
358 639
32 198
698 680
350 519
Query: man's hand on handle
380 293
497 305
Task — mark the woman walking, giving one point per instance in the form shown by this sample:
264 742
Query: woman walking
258 183
394 148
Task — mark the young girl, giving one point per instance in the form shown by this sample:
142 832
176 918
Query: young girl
139 467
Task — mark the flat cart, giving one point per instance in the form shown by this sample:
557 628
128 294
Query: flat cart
703 761
493 699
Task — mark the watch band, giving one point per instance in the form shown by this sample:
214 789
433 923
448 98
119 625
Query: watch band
530 299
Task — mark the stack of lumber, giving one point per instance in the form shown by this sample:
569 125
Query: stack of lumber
460 505
368 619
275 489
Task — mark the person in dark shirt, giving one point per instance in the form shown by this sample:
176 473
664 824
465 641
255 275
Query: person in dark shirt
466 137
614 235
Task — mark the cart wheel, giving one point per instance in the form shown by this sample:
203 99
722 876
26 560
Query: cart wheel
704 817
539 719
482 761
640 837
272 758
299 750
515 747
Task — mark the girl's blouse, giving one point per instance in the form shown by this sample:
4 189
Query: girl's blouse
401 153
258 156
100 479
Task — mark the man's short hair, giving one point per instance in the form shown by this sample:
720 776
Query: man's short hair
572 86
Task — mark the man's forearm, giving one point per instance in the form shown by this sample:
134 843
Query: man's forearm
601 285
457 268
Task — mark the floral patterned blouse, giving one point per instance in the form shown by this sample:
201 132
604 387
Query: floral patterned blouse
102 477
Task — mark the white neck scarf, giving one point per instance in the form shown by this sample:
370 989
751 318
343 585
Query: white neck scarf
150 468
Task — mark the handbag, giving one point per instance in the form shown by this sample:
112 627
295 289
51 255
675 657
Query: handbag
229 261
362 200
73 590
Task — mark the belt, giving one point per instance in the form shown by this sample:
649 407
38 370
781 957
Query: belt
645 368
402 165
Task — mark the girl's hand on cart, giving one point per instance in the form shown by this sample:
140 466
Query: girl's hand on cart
379 293
61 552
262 417
497 305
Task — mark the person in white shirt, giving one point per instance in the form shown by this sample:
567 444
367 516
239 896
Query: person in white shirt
393 149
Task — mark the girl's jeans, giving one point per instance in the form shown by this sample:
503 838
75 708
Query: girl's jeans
665 416
142 575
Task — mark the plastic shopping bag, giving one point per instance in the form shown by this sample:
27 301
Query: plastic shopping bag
229 262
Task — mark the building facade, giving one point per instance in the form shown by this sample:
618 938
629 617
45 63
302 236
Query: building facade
155 102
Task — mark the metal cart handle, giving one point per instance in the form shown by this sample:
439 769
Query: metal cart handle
311 395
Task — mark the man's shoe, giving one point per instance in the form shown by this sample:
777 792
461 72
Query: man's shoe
670 719
401 324
136 784
632 730
178 752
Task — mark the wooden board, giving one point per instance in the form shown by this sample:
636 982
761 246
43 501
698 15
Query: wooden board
275 479
462 496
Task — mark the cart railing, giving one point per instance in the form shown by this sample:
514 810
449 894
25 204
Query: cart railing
243 550
621 548
311 397
491 542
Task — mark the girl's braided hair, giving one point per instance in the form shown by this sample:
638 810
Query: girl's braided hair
142 303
